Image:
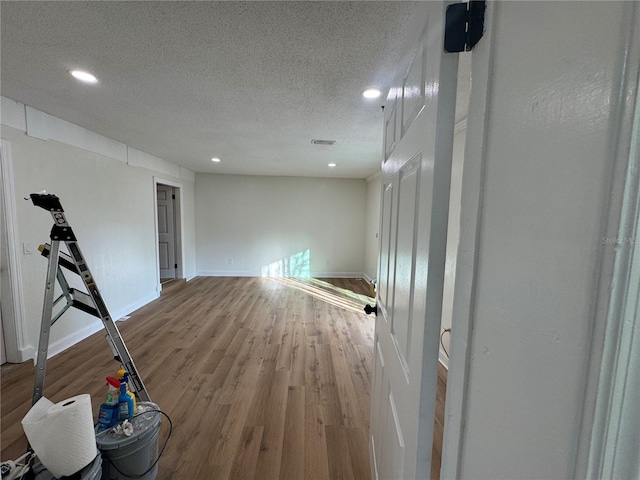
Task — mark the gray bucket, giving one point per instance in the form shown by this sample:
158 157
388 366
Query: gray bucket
93 471
123 456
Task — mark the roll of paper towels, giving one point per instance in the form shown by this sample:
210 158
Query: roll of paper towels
62 434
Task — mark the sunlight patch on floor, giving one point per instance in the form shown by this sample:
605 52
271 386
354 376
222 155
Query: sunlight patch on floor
326 292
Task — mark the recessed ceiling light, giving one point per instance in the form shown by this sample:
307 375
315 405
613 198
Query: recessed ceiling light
83 76
372 93
332 165
215 159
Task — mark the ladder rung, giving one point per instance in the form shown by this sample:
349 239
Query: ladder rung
83 302
64 260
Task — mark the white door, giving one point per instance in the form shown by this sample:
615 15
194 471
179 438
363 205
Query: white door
166 232
419 123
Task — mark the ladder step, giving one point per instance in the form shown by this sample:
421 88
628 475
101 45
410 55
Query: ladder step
64 260
83 302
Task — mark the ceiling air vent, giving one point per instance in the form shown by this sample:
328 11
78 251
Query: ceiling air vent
323 142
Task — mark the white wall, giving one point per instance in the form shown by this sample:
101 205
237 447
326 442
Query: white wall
371 240
110 206
538 181
297 226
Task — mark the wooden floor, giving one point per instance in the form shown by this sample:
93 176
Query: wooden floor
263 378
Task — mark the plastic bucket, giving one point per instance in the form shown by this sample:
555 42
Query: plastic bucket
93 471
126 458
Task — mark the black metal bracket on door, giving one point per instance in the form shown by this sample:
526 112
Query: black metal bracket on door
464 25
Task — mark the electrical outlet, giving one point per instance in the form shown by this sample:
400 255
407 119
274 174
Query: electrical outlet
230 261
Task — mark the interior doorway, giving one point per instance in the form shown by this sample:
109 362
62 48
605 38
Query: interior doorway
168 221
166 232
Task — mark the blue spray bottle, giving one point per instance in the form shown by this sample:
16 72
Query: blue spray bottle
125 403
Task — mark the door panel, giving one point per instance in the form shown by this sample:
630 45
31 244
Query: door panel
414 211
390 131
401 324
386 260
413 90
378 409
394 451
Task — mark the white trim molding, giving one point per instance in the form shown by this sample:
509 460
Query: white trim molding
72 339
467 256
17 349
228 273
610 423
141 302
252 273
373 176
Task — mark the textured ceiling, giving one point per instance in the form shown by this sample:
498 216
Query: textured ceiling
250 82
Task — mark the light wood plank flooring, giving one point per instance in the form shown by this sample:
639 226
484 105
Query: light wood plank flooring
263 378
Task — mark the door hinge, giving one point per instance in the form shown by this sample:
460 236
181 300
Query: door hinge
173 197
464 25
175 265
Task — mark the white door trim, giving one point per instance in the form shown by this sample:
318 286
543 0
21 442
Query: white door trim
607 425
179 214
614 360
471 205
17 351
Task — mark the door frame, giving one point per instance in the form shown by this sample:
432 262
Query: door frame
471 206
614 358
14 328
178 231
611 359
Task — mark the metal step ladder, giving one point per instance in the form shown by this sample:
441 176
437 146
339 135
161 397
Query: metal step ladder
91 302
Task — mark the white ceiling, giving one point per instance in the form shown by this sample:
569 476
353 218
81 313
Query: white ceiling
250 82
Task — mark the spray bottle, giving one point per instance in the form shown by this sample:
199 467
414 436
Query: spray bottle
109 410
125 403
123 376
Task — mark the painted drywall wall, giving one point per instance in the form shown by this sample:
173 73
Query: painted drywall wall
250 225
453 236
371 240
550 149
110 206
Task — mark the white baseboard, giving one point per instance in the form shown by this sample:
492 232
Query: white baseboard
27 353
79 335
227 273
70 340
337 274
367 277
141 302
190 276
241 273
